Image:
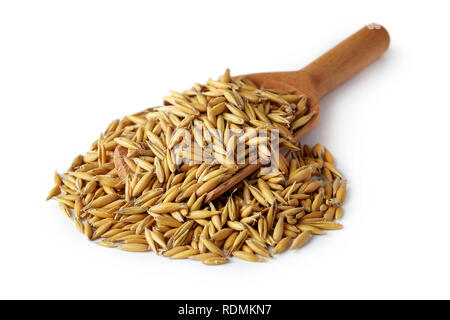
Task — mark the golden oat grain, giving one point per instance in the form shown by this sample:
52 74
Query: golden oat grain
301 239
134 247
338 213
211 246
341 193
106 244
248 256
53 192
215 261
185 254
88 230
167 207
282 245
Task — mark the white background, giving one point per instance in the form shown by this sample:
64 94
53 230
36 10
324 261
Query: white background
67 68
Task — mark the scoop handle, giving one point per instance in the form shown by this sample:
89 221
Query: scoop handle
347 58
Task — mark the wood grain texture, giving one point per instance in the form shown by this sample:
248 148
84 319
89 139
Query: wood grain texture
230 183
123 170
348 58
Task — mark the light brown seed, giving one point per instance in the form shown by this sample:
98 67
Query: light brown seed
167 207
328 156
106 244
327 225
202 214
338 213
215 261
104 200
258 248
211 246
79 225
150 241
341 193
222 234
282 246
301 239
248 256
102 229
185 254
204 256
279 228
134 247
88 230
53 192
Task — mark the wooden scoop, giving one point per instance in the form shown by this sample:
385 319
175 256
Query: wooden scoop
315 80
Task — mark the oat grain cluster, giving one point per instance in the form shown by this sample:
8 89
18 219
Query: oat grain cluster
153 199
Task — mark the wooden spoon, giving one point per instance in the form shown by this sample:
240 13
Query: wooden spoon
315 80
